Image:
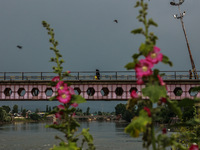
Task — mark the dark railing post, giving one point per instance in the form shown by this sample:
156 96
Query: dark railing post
22 75
4 76
41 75
175 74
78 76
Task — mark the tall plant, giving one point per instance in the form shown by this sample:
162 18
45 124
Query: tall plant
154 94
65 111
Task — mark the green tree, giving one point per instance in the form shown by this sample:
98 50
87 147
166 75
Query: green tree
6 108
47 108
15 109
120 109
3 114
24 112
35 116
88 111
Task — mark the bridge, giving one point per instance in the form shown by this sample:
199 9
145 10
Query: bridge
113 85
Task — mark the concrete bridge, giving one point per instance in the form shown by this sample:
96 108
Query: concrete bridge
27 86
115 86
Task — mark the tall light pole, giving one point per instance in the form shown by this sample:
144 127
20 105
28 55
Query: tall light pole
181 18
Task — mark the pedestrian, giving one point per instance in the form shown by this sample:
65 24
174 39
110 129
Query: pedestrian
190 74
97 74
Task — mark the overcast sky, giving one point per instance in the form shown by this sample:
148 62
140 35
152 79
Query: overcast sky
88 38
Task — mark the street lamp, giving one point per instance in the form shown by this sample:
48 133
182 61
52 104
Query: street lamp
181 18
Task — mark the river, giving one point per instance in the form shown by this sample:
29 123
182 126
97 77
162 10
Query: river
34 136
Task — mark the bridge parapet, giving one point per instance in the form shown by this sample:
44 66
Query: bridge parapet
90 75
91 89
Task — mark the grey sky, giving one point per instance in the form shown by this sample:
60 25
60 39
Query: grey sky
88 38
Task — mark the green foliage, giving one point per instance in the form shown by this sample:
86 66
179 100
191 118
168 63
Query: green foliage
24 112
138 124
6 108
120 109
154 92
35 116
15 109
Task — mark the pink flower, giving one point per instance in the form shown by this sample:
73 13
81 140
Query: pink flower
161 80
74 105
62 86
61 107
63 96
139 81
143 68
148 111
134 94
71 91
68 72
58 115
155 56
57 78
164 130
194 146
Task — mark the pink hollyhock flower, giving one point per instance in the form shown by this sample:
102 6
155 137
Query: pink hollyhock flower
73 114
134 94
63 96
155 56
61 107
68 72
74 105
58 115
161 80
62 86
57 78
148 111
143 68
71 91
164 130
194 146
139 81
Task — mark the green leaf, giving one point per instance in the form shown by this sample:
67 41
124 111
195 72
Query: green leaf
69 146
173 105
145 49
130 66
138 124
154 92
137 31
151 22
52 98
77 99
166 60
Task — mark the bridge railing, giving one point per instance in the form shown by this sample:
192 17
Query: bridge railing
90 75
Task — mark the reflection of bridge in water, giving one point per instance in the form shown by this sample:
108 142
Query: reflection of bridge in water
112 85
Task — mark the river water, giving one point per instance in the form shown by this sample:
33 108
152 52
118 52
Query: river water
34 136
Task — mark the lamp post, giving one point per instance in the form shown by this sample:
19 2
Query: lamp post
188 46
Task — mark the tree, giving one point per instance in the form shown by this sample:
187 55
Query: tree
47 108
3 114
120 109
34 116
6 108
24 112
88 111
15 109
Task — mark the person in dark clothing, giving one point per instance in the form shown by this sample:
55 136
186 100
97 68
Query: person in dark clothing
190 74
97 74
